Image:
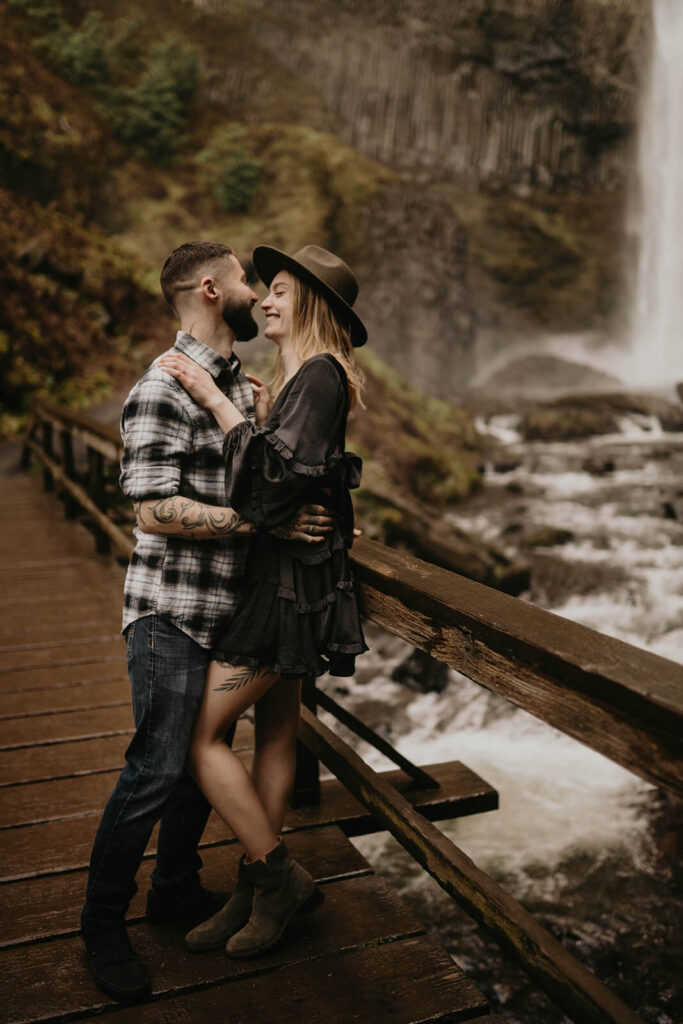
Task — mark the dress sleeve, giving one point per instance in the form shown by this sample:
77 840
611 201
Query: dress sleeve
268 468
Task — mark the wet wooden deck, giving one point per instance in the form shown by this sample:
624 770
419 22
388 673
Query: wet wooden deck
64 724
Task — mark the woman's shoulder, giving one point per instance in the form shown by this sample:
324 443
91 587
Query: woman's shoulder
323 367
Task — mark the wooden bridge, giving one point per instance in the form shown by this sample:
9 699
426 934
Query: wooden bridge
65 721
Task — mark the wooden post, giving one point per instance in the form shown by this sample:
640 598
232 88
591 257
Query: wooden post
25 460
48 484
99 496
70 505
306 789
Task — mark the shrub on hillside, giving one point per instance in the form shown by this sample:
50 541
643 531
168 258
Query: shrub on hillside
152 112
229 170
84 55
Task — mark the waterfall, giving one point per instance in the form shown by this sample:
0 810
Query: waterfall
657 318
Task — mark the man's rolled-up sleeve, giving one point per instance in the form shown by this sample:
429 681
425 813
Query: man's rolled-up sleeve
157 436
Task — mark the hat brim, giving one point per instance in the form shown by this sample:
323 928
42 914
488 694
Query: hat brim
269 262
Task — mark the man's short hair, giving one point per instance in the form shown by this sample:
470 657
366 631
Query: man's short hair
186 258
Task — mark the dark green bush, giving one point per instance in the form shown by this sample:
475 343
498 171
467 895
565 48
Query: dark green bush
180 60
151 116
152 111
85 55
229 170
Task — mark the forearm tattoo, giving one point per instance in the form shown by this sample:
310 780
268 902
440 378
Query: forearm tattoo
239 677
191 518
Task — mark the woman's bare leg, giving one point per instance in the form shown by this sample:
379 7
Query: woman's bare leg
276 716
223 779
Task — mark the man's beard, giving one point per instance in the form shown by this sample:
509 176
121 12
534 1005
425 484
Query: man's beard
239 319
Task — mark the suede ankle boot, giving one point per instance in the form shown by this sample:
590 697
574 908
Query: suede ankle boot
281 889
214 933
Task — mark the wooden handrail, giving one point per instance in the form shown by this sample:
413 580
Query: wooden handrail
67 418
97 436
622 701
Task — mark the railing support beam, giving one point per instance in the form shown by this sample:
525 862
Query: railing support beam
306 789
46 428
98 494
70 503
571 985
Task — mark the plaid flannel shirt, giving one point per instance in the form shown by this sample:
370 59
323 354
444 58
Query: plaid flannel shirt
173 446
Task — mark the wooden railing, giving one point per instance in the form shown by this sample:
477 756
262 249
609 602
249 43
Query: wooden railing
621 701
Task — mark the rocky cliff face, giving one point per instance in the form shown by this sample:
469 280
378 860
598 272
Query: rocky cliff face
500 92
414 300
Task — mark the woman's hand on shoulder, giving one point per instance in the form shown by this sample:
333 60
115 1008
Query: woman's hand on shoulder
261 399
197 381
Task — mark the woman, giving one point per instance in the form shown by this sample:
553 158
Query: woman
299 614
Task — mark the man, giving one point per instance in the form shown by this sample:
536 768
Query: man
182 586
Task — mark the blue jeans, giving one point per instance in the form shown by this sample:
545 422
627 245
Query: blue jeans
167 670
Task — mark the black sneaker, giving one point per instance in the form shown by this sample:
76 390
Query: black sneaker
188 907
116 967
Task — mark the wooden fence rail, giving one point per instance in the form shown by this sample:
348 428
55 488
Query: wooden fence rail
618 699
621 701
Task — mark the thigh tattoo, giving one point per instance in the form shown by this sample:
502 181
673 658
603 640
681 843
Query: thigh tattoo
240 677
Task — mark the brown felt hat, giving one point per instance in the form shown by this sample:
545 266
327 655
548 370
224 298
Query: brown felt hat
325 271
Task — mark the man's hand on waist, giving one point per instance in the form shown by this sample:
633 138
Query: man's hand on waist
312 523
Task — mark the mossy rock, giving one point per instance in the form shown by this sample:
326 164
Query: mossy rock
566 424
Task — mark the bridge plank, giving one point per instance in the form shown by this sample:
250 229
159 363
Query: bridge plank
37 730
87 670
65 844
54 799
64 698
401 982
50 977
38 908
24 658
61 760
89 622
82 757
35 611
36 579
622 701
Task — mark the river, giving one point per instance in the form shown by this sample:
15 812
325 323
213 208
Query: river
585 845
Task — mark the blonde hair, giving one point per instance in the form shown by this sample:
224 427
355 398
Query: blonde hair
315 329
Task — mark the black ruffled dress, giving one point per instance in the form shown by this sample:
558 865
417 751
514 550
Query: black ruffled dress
299 613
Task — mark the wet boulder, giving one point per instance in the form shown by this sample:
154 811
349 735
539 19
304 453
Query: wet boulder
547 537
422 673
566 423
598 464
672 508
